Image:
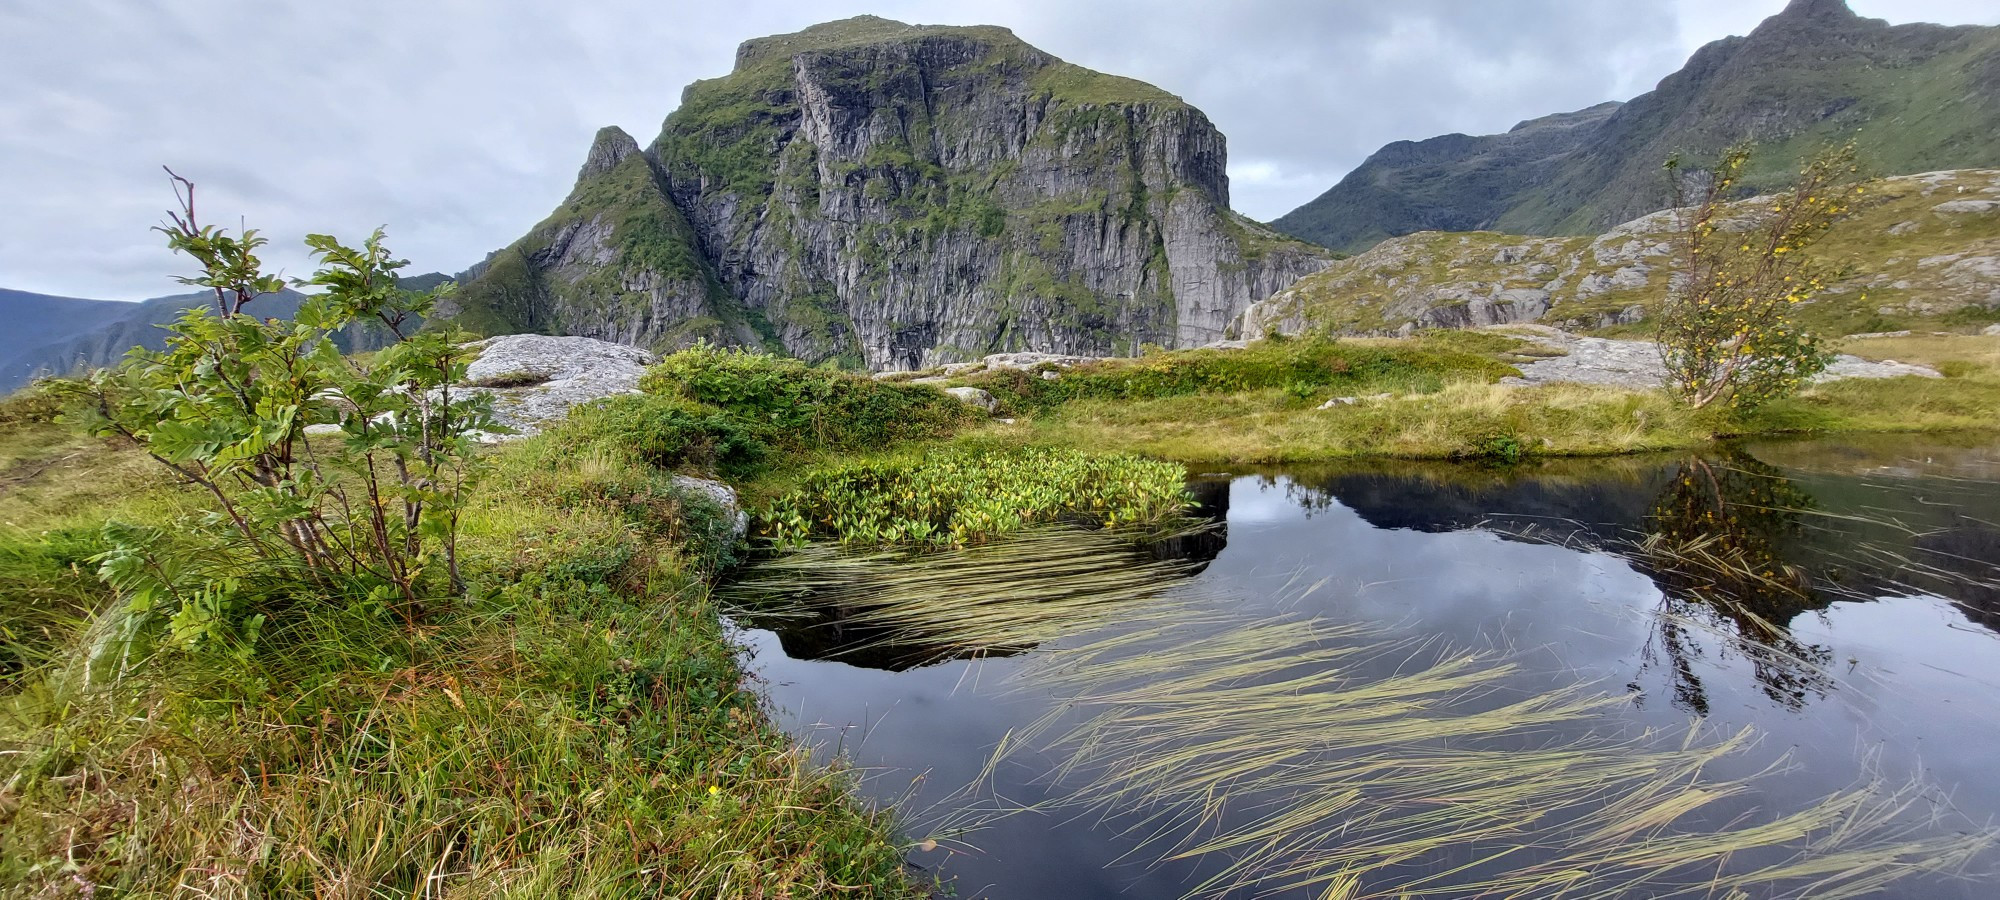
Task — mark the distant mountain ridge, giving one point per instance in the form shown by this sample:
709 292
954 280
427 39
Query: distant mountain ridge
1915 98
37 319
886 195
62 335
1921 252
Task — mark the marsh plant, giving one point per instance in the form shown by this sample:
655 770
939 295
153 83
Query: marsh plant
961 496
1303 755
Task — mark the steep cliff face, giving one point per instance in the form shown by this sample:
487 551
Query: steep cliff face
1914 98
893 196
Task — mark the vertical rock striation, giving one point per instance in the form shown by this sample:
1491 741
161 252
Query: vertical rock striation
897 196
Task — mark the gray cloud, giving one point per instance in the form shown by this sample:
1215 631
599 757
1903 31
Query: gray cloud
459 123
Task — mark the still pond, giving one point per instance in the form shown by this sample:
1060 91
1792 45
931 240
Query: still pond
1770 670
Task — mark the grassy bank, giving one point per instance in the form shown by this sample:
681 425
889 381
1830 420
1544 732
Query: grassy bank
1436 397
576 722
576 725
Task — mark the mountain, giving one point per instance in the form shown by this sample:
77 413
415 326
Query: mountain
892 196
1914 98
37 319
1924 251
61 335
128 325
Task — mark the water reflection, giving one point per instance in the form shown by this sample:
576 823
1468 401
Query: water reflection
1737 548
897 610
1243 705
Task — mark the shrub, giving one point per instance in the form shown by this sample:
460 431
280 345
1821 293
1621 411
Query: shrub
674 433
803 408
37 404
965 496
370 510
1726 331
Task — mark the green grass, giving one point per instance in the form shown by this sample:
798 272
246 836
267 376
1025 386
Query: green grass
1300 368
1434 398
577 726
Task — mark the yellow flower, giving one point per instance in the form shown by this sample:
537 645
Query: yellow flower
713 790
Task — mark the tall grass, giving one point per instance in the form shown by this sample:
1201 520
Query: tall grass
1286 750
577 727
962 602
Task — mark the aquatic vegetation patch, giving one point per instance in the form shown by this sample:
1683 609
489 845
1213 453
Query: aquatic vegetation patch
966 495
1291 753
1302 755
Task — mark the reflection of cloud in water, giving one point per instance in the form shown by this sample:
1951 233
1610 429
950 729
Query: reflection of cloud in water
1409 561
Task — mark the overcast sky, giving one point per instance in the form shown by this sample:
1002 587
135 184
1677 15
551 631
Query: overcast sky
460 123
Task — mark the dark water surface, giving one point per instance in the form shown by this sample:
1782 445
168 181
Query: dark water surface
1858 634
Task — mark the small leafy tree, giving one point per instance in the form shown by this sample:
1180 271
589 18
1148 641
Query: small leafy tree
1726 333
342 476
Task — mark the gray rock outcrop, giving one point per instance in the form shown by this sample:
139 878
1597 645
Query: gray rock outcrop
723 496
536 379
972 396
1636 364
1461 280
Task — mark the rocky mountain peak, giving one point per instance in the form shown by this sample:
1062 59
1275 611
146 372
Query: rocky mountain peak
887 195
1817 10
611 147
862 31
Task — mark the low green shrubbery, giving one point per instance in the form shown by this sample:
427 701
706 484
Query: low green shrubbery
35 404
1304 367
800 408
966 495
677 434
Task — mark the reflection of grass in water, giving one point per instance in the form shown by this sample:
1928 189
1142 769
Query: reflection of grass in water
1007 596
1304 755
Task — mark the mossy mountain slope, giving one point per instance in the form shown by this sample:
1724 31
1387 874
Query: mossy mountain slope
1914 98
894 196
615 261
1920 251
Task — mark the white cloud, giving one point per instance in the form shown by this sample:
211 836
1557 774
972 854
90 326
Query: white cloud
460 123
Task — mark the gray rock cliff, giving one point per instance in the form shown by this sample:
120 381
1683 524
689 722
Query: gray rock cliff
895 197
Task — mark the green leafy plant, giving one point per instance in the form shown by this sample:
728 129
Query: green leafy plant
1726 331
959 497
369 508
675 433
803 408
